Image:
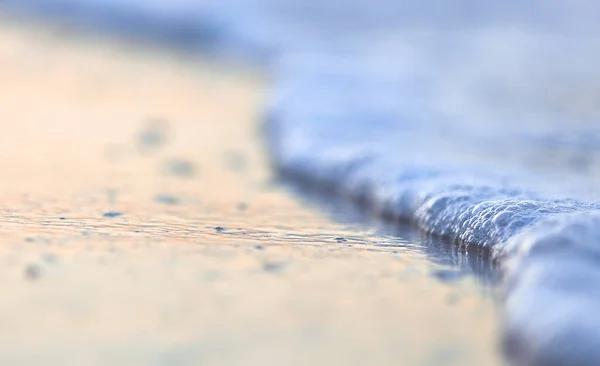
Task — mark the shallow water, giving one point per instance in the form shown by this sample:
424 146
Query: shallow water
143 225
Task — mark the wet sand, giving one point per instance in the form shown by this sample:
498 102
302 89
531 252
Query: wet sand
141 225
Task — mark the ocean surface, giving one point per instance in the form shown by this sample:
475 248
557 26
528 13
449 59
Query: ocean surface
474 121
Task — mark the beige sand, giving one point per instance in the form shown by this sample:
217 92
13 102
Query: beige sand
159 285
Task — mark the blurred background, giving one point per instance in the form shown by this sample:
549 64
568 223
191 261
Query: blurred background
144 216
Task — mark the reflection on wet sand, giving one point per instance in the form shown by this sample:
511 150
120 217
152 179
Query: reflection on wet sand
142 225
465 259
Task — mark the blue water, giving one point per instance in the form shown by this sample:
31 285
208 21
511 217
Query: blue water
474 120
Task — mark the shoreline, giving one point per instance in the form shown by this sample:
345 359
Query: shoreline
142 225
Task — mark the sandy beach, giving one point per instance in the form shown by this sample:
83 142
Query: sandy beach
141 225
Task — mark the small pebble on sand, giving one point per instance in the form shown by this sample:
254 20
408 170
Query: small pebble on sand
154 134
166 199
273 267
179 168
32 272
